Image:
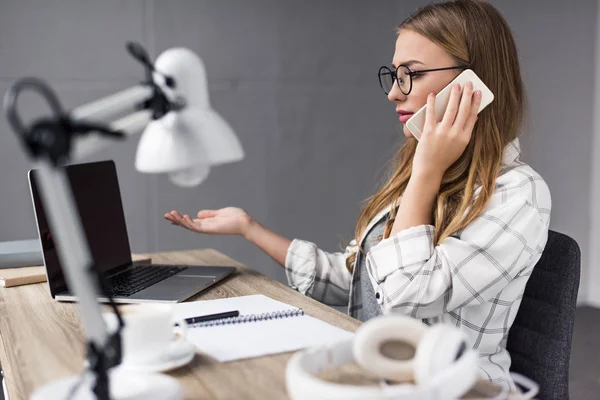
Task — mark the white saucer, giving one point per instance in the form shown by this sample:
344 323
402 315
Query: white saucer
177 354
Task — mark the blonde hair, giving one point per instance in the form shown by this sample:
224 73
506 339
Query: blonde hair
472 32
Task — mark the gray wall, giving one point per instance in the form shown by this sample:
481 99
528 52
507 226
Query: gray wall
557 43
297 82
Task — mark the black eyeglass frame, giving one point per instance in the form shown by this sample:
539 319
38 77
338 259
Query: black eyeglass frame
410 73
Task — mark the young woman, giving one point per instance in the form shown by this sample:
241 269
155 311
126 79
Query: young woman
455 232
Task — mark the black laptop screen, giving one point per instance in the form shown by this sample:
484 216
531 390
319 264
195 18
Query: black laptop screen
95 188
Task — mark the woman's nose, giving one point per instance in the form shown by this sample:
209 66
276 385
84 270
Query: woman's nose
396 94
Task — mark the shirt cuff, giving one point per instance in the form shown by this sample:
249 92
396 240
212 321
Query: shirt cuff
300 265
409 247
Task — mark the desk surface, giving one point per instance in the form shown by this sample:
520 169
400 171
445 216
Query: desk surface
42 340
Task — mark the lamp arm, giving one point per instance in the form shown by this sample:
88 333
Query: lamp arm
132 124
144 103
107 107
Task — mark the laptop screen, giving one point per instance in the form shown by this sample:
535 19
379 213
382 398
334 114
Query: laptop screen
95 188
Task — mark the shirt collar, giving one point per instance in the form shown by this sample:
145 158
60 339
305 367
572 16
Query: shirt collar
511 152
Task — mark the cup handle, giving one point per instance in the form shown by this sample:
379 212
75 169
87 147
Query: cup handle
180 327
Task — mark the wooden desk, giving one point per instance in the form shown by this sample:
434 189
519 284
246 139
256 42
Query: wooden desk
41 339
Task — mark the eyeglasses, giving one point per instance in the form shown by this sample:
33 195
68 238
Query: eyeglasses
404 77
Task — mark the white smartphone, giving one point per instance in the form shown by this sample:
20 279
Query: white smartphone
417 121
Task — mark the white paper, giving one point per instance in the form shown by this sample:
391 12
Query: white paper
259 338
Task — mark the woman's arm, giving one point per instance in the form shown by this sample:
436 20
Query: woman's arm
276 246
417 203
309 270
413 276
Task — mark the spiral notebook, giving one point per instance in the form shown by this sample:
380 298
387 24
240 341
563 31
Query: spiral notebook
264 326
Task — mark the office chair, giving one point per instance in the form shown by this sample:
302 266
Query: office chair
539 340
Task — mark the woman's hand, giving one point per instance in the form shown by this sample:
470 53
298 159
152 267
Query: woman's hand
442 143
226 221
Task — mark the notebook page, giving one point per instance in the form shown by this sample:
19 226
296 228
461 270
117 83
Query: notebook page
253 304
255 339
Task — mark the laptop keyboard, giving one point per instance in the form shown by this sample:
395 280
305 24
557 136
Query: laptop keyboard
140 277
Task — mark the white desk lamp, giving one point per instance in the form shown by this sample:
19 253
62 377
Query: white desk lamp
183 137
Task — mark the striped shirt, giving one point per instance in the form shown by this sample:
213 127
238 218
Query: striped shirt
473 280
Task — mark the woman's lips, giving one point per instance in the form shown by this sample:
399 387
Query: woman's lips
405 117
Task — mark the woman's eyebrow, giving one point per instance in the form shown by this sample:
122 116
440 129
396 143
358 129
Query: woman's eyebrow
408 63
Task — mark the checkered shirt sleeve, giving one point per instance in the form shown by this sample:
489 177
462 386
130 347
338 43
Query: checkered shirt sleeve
414 277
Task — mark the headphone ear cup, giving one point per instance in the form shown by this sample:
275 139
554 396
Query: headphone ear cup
373 335
438 349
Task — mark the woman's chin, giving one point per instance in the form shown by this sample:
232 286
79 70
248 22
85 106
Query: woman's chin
406 131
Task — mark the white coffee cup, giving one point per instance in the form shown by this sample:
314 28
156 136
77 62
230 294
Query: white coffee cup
149 332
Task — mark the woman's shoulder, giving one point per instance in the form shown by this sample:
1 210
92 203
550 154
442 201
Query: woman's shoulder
518 181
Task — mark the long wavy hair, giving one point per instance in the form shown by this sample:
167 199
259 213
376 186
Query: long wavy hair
473 32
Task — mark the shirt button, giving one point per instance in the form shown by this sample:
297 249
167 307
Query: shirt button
377 295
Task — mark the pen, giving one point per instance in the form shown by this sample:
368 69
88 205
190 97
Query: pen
212 317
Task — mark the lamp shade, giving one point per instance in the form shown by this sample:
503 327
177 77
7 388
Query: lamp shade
186 143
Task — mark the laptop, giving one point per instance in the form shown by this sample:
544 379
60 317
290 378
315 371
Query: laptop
95 187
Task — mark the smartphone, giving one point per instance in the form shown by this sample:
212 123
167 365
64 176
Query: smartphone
417 121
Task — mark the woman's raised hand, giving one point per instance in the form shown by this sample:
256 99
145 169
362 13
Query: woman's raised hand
226 221
442 143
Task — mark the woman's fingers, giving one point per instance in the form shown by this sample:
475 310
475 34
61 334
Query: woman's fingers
175 214
188 220
430 114
177 219
185 221
464 109
452 108
472 118
171 218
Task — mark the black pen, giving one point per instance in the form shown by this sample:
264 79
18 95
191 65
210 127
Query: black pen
212 317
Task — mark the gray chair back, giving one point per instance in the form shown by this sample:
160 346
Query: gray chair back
539 341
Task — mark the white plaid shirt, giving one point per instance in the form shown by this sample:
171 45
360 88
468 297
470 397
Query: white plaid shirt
473 280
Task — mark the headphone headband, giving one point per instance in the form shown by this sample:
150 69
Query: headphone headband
304 367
